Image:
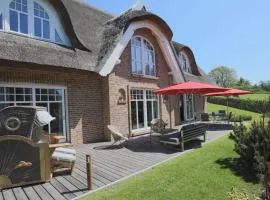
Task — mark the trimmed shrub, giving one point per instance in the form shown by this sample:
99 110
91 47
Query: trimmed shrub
258 106
241 118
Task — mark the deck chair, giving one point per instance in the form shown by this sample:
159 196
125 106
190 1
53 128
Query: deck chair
117 135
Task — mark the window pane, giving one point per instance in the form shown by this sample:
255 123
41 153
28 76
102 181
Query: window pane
24 8
58 38
24 23
57 124
19 98
10 98
13 17
19 91
1 21
37 24
149 112
18 6
28 91
46 29
155 107
147 69
10 90
12 5
133 115
141 114
45 128
28 97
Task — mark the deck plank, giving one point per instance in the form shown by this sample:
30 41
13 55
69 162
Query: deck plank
19 193
8 195
31 193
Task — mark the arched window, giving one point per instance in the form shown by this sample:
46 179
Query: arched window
18 16
41 22
33 18
143 57
184 63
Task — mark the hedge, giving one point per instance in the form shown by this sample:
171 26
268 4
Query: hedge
258 106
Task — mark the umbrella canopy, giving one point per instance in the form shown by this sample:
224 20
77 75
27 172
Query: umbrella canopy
190 88
229 92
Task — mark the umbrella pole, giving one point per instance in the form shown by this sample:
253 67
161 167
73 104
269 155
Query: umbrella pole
228 109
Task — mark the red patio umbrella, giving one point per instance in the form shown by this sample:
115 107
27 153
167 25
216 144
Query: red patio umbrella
229 92
190 88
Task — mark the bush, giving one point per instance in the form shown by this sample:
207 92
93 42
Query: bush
258 106
240 118
244 143
253 145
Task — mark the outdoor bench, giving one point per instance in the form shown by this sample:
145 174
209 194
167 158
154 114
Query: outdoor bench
185 134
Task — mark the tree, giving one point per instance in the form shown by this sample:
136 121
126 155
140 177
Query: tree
224 76
243 83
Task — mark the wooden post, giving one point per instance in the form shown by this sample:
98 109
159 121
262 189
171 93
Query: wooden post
89 172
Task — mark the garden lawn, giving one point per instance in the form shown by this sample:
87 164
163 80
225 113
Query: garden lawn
262 96
215 107
203 174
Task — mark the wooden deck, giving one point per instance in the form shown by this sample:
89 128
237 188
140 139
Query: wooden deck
108 165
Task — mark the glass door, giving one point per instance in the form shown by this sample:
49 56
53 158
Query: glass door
189 107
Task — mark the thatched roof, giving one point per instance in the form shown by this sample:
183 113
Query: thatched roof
93 34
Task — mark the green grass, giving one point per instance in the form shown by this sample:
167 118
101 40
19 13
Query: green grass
215 107
262 96
206 173
255 96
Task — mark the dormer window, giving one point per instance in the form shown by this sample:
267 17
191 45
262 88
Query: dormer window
33 18
184 62
143 57
41 22
18 16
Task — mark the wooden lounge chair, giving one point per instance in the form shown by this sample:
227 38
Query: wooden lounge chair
117 135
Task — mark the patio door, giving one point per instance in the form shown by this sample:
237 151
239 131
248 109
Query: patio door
144 108
188 107
51 98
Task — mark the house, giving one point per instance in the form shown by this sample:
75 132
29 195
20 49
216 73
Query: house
91 69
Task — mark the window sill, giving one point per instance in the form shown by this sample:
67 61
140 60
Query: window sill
145 76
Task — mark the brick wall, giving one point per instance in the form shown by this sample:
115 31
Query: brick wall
84 96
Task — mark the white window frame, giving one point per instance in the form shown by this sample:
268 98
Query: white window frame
184 61
143 60
19 18
34 102
42 25
55 22
186 106
145 100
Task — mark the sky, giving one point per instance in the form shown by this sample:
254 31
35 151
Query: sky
232 33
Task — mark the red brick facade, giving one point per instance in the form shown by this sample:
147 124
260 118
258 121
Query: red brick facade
92 101
83 97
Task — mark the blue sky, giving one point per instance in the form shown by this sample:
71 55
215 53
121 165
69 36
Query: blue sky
233 33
